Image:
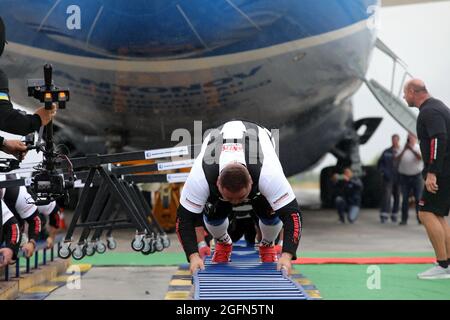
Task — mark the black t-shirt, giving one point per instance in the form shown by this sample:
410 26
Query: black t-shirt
15 121
434 121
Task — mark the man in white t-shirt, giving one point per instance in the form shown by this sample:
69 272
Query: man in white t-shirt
410 166
238 164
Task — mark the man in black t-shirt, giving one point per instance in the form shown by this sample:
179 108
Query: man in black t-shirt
433 131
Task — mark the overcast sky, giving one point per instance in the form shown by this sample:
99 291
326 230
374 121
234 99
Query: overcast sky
420 36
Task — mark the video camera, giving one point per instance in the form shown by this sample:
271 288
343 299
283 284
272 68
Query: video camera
47 184
46 92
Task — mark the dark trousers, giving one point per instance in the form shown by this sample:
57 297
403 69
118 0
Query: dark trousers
410 185
390 189
345 208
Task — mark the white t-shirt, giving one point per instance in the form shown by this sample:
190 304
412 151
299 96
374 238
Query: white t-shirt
23 206
409 164
6 213
273 184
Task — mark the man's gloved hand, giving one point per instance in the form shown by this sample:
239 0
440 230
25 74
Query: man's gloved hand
195 263
46 115
6 255
15 147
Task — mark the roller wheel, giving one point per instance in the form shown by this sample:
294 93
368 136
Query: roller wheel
64 251
111 243
147 247
137 244
100 247
159 245
90 250
79 252
166 241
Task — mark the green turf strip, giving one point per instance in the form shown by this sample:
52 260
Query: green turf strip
399 282
176 258
358 254
134 259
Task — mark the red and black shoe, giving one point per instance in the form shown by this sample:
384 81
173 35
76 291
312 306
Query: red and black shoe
268 254
222 252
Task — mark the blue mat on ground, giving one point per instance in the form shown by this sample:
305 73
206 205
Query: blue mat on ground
245 278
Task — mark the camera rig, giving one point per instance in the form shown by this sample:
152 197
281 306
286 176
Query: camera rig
110 198
46 184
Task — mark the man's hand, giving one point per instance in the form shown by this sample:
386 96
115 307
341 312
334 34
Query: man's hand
284 262
28 249
195 263
15 147
52 231
46 115
431 183
7 257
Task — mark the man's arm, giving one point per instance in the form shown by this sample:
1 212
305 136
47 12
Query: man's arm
417 154
15 121
398 158
12 236
292 219
437 131
185 226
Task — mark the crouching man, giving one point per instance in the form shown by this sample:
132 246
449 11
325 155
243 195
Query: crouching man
238 164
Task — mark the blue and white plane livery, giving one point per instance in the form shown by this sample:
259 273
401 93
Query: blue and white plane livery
140 69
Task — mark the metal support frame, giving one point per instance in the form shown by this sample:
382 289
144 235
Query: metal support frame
100 209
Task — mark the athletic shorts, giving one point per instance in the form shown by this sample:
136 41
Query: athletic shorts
439 202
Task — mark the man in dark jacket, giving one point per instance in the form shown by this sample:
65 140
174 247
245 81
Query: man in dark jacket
15 121
348 195
391 188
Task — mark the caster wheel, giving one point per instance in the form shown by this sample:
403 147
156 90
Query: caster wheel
100 247
79 252
159 245
152 246
111 243
64 251
165 241
147 247
137 244
90 249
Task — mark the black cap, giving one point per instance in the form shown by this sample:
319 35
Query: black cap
2 36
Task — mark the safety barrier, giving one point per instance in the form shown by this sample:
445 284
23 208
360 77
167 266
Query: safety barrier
41 248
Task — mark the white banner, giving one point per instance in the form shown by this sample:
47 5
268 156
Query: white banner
175 165
167 152
177 177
